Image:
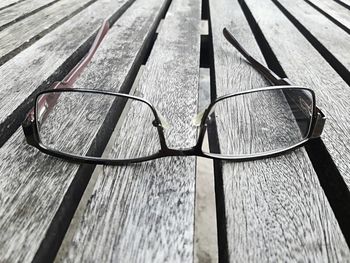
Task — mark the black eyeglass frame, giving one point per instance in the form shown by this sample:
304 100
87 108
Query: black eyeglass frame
33 138
30 124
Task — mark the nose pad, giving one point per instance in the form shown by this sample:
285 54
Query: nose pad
196 120
164 122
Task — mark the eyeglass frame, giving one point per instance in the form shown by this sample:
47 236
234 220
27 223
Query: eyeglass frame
30 124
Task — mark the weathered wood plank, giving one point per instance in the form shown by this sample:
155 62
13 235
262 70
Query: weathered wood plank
145 212
7 3
275 208
47 60
21 10
30 201
304 66
20 35
331 36
334 10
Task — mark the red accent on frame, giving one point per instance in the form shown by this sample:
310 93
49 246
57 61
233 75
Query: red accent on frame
46 102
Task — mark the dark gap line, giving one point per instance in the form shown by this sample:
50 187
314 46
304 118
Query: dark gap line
223 255
31 41
19 18
15 3
269 56
205 10
324 52
148 48
329 176
59 225
342 4
333 184
149 45
335 21
204 58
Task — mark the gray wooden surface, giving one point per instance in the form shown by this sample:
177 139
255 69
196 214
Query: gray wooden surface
275 208
17 12
46 60
298 57
331 36
145 212
29 201
334 10
33 27
7 3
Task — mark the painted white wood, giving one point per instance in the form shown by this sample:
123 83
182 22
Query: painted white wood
145 212
275 208
32 184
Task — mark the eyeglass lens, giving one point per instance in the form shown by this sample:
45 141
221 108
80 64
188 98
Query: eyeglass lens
261 121
80 123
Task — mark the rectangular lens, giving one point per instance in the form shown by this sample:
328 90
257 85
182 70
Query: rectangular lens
81 123
261 122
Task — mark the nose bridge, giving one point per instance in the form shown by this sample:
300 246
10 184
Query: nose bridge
197 119
178 132
184 151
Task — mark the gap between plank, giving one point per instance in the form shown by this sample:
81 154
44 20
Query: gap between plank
205 248
329 176
221 224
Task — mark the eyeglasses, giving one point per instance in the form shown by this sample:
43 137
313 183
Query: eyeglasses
75 124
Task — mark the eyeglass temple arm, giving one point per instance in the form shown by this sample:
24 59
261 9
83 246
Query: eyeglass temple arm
274 79
72 76
46 102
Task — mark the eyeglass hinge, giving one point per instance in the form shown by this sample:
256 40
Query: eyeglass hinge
320 121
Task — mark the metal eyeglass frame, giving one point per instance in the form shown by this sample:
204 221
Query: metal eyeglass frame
45 104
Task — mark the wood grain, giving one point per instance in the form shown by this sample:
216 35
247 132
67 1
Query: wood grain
336 11
7 3
46 60
33 185
275 208
331 36
35 26
145 212
304 66
23 9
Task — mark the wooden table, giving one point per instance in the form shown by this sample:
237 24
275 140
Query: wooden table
295 207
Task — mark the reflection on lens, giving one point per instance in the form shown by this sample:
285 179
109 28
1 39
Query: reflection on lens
81 123
261 121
